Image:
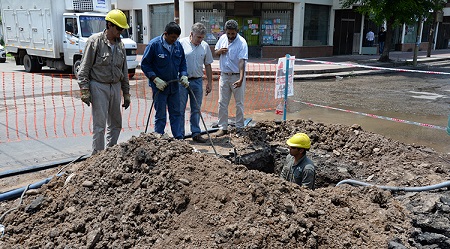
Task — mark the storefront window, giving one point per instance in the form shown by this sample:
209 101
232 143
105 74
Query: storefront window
259 23
276 28
161 15
410 33
317 19
214 21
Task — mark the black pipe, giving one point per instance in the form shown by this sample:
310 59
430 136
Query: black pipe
203 132
36 168
397 189
12 194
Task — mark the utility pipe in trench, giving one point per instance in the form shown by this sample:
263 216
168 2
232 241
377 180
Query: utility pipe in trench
397 189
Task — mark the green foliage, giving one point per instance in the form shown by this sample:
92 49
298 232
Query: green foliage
393 11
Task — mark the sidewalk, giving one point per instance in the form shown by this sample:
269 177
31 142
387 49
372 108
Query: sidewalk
16 155
309 70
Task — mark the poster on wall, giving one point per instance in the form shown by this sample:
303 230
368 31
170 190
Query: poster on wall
273 30
280 77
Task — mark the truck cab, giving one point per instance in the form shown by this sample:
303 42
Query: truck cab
78 27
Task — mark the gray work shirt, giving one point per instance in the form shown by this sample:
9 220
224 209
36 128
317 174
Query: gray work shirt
303 173
104 63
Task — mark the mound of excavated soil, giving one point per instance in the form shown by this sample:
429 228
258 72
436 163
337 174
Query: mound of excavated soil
154 192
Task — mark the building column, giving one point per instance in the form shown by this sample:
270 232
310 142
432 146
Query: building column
297 25
331 25
186 17
362 35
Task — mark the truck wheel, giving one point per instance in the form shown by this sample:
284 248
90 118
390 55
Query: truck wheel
131 73
31 64
76 68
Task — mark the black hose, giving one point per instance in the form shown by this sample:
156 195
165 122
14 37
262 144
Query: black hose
12 194
150 112
36 168
397 189
153 103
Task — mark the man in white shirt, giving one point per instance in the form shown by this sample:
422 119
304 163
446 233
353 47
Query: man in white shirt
370 36
197 54
233 51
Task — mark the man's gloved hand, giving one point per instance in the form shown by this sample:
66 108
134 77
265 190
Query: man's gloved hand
184 81
126 100
160 84
86 96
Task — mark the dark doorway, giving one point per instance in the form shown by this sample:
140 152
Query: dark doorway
346 37
443 36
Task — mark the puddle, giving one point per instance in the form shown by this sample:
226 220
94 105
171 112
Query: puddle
406 133
426 95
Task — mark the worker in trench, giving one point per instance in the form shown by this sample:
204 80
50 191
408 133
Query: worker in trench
298 167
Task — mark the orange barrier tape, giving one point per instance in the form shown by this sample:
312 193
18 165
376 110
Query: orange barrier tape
46 105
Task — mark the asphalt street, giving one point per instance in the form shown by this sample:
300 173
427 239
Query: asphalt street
35 150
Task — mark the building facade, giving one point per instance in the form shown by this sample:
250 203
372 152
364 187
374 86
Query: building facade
304 28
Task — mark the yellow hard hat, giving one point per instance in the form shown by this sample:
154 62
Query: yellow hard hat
118 18
299 140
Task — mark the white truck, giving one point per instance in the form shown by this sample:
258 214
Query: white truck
53 33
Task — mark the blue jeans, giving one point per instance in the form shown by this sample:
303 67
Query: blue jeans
196 86
170 99
381 47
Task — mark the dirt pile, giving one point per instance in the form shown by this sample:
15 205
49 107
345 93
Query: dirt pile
153 192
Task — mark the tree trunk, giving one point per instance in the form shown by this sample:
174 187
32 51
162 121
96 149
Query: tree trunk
384 57
431 35
430 39
418 41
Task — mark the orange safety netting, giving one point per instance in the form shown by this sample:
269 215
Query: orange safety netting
48 105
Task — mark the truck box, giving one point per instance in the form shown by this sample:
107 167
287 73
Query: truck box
53 33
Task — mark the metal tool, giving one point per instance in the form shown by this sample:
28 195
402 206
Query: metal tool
203 121
153 103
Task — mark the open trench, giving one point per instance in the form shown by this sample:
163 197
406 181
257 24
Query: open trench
430 221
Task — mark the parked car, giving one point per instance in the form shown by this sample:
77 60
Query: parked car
2 54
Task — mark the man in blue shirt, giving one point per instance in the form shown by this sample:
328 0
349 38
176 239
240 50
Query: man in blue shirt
164 63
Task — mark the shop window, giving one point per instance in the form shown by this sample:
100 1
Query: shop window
214 21
161 15
276 28
316 29
250 30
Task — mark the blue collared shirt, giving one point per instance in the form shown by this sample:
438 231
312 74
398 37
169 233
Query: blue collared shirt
159 61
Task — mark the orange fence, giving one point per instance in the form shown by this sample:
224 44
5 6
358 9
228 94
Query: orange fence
37 106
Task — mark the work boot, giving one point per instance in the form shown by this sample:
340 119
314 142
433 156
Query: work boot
221 133
239 132
199 139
